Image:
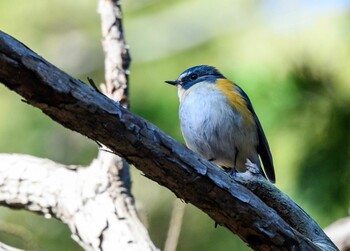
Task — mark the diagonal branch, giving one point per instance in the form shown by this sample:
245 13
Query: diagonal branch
78 107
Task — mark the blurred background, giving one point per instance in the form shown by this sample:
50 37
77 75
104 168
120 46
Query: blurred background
291 57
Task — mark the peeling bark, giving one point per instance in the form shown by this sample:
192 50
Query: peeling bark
94 201
83 198
117 61
117 57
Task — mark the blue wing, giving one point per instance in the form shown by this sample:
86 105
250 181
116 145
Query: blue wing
263 148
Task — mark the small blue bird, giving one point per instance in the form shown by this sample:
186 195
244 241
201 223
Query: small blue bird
218 121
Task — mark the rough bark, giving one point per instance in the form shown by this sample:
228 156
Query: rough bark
117 61
80 108
87 199
117 57
94 201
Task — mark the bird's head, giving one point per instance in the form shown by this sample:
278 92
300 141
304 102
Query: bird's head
195 75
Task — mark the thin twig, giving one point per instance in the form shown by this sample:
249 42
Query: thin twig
175 226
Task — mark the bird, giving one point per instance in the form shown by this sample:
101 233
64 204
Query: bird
218 121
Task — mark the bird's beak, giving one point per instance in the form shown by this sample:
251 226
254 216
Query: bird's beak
172 82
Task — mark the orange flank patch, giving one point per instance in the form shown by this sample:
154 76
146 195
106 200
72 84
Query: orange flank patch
235 99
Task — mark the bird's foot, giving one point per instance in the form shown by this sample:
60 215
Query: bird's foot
230 170
252 167
253 172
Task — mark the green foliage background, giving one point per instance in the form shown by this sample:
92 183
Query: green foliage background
292 58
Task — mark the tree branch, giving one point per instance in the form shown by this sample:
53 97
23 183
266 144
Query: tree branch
117 57
83 198
117 61
117 224
162 159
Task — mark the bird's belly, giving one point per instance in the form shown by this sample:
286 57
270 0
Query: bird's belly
212 128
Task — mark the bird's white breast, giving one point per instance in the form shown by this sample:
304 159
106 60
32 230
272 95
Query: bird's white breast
210 126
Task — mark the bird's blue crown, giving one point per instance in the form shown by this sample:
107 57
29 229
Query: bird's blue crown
198 74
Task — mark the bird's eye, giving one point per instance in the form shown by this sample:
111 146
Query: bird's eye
193 76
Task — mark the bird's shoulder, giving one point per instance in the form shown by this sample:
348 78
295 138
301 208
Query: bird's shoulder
240 100
237 98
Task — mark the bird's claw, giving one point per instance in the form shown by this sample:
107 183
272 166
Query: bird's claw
231 171
252 168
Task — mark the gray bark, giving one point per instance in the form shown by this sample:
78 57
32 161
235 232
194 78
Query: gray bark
87 199
94 201
117 57
259 218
